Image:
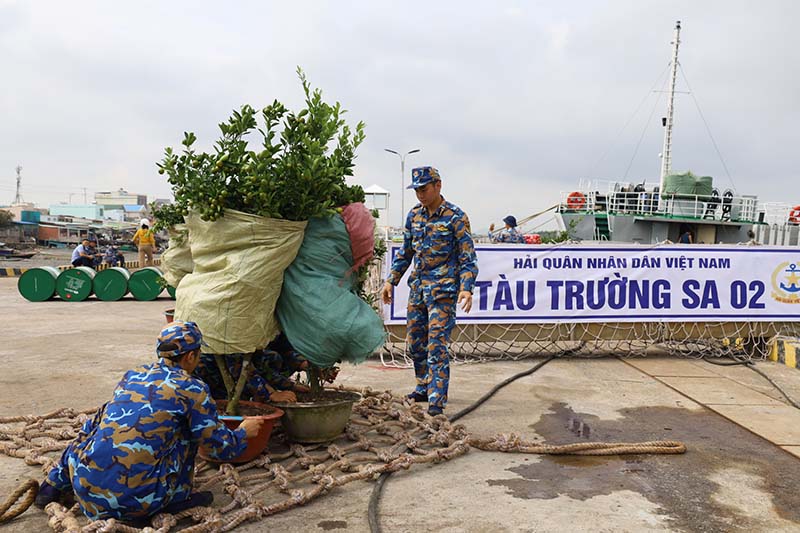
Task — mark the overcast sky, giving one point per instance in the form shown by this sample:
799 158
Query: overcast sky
513 101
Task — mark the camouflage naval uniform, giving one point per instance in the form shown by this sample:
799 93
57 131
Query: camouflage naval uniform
509 235
137 455
441 248
269 367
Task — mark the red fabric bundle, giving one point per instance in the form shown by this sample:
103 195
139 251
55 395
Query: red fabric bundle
360 226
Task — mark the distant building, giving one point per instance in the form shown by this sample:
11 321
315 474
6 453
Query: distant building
158 202
19 233
134 213
376 197
115 200
63 230
18 209
90 211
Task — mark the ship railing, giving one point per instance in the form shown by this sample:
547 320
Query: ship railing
645 203
605 186
776 212
783 234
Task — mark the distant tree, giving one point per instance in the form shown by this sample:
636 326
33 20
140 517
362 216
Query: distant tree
6 218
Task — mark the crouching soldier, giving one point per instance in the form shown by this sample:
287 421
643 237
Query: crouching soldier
269 379
136 457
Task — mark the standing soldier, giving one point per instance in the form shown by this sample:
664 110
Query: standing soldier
437 238
508 234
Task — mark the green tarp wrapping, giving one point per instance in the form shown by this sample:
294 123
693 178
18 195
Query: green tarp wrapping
687 184
239 261
176 261
319 311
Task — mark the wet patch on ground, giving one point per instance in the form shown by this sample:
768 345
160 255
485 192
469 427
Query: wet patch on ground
327 525
680 484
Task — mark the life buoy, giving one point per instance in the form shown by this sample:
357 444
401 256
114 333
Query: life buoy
794 215
576 200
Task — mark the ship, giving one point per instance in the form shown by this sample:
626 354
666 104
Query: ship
676 205
11 253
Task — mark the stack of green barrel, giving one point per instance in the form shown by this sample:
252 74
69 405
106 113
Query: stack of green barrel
77 284
145 284
38 284
111 284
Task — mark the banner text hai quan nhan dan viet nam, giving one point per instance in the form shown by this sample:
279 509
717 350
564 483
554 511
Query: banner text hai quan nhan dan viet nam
543 284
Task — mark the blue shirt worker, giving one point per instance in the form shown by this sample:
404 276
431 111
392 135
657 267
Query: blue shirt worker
508 234
438 242
136 457
85 254
113 257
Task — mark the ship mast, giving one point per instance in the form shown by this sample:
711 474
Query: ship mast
666 153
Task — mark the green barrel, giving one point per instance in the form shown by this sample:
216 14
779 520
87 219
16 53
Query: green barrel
111 284
144 285
38 284
75 284
171 291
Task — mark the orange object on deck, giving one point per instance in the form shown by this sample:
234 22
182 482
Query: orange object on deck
576 200
794 215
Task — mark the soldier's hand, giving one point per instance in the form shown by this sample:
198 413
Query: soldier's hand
299 387
386 293
251 426
283 396
491 226
465 300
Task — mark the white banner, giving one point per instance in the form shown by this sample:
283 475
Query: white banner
520 284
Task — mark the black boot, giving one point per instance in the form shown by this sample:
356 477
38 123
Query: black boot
417 397
197 499
434 410
48 494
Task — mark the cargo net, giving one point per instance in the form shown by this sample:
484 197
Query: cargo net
384 434
487 342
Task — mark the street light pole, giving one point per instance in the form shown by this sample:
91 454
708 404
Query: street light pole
402 178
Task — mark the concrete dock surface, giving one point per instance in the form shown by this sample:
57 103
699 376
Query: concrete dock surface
741 471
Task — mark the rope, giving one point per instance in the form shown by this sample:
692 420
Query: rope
708 128
627 122
494 342
752 366
641 137
15 504
467 410
527 219
513 444
384 435
373 516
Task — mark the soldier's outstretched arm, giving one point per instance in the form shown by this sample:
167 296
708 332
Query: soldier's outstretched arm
208 429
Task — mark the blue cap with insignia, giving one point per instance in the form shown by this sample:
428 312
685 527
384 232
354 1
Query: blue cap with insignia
422 176
179 338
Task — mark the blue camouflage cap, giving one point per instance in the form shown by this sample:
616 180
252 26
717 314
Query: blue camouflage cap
422 176
178 338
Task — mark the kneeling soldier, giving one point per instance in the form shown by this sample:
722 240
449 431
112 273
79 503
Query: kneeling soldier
136 457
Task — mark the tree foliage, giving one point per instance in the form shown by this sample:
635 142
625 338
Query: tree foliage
298 171
6 218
